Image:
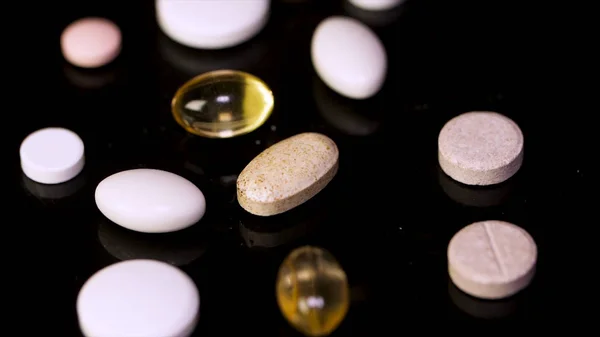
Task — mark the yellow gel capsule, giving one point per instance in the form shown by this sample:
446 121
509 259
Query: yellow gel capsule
312 291
222 104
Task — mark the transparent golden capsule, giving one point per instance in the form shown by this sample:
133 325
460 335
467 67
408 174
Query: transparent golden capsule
312 291
222 104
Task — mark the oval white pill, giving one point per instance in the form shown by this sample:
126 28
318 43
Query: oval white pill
150 201
212 24
375 5
491 259
480 148
52 155
142 298
349 57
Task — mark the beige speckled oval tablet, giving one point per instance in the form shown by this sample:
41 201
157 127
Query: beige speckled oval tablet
480 148
491 259
287 174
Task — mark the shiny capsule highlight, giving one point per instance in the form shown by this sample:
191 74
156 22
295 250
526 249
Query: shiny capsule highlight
222 104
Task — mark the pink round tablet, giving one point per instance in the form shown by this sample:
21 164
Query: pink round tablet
91 42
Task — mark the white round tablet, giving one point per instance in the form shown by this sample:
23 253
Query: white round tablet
349 57
212 24
480 148
142 298
375 5
52 155
492 259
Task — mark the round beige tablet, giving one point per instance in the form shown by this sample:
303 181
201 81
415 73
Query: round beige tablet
91 42
480 148
491 259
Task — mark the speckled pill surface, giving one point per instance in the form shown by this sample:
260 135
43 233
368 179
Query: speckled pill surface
480 148
492 259
287 174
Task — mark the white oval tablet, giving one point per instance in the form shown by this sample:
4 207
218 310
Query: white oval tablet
212 24
142 298
480 148
375 5
349 57
52 155
491 259
150 201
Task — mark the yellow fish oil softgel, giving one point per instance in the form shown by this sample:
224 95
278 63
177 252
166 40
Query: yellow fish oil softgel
312 291
222 104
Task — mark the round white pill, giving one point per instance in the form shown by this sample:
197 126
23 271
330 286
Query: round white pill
480 148
212 24
52 155
375 5
349 57
91 42
491 259
142 298
150 201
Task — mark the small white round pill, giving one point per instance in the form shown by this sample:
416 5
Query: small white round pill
52 155
491 259
480 148
142 298
375 5
212 24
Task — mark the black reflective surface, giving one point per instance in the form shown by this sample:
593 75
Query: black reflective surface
387 216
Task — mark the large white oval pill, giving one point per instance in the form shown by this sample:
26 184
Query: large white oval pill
142 298
150 201
492 259
212 24
480 148
349 57
287 174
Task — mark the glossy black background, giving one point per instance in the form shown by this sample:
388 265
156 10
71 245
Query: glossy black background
387 216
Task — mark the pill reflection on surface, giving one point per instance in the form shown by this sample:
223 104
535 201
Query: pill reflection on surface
178 249
191 62
475 196
255 236
483 309
55 191
341 112
86 79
